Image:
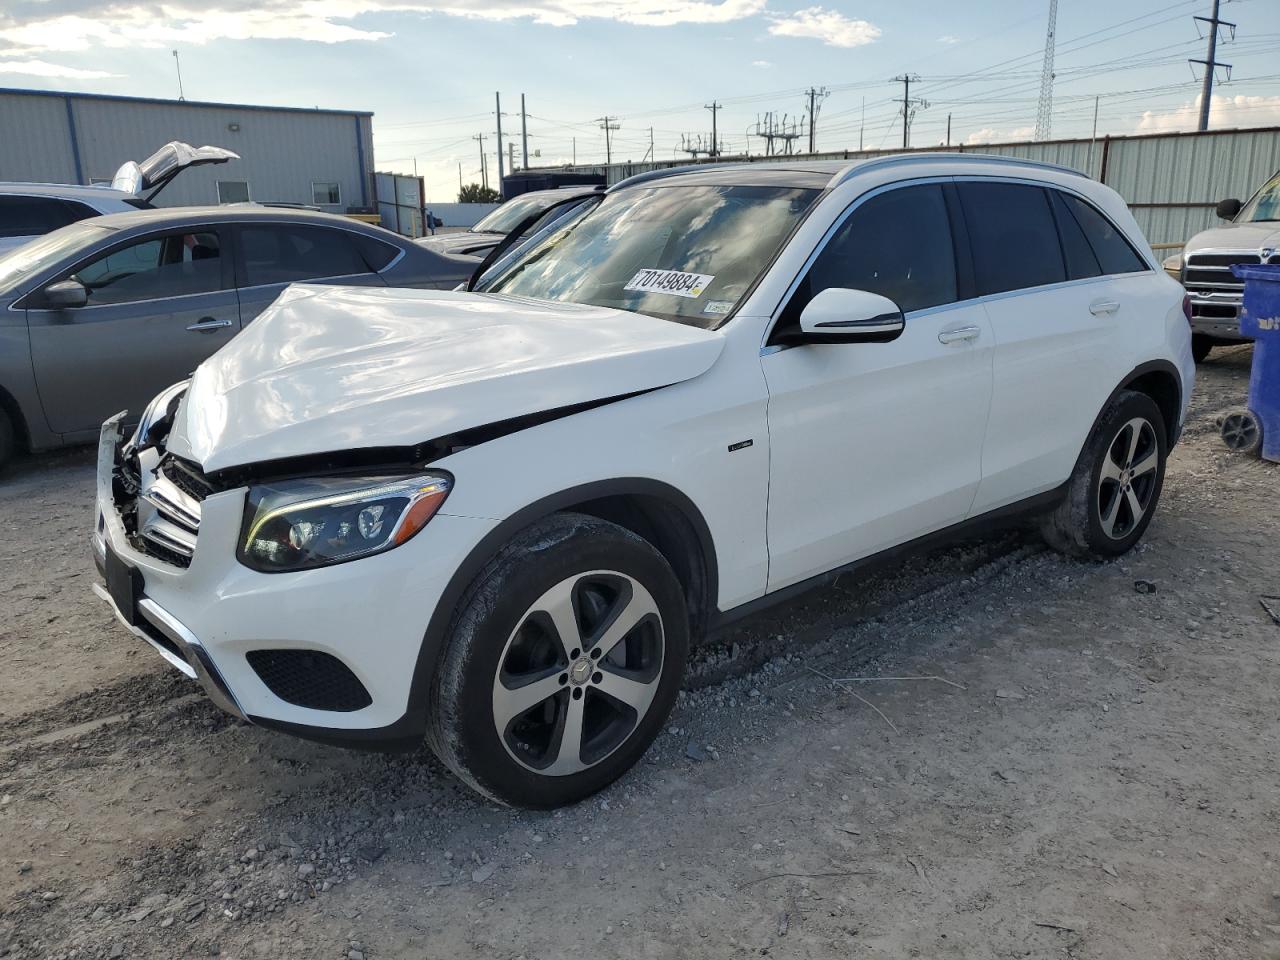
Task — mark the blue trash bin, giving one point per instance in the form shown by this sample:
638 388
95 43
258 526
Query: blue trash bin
1260 319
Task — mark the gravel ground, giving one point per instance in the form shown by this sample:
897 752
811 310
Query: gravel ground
1081 766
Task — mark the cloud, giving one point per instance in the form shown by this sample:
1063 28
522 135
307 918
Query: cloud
31 27
42 68
832 28
992 135
1238 111
762 64
948 39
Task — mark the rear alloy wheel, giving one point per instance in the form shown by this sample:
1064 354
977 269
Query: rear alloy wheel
564 660
1116 484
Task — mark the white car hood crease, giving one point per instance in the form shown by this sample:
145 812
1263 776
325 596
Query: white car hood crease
344 368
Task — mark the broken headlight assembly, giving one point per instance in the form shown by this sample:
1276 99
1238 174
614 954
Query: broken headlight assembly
302 524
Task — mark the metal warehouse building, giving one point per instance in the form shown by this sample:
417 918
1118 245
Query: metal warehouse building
292 155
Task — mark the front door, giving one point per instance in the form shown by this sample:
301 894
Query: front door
873 445
158 305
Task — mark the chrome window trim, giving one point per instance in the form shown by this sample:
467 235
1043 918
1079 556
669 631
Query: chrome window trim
776 315
402 252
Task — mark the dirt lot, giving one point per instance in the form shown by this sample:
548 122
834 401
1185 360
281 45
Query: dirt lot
1095 776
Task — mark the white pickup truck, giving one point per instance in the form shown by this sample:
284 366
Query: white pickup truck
1251 235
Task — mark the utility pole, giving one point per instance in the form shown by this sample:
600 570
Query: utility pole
484 162
1044 109
816 95
715 148
575 151
606 124
524 135
497 100
1206 89
908 106
182 96
1094 137
459 176
649 153
948 129
862 126
511 155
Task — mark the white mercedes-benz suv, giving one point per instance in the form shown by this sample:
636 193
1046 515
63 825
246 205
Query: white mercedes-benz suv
495 520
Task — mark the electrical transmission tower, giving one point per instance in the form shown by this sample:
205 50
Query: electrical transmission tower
770 129
1044 111
909 106
698 146
1206 90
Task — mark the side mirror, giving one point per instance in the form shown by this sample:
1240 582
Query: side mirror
837 315
1227 209
66 293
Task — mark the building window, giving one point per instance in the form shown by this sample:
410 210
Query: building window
233 191
325 193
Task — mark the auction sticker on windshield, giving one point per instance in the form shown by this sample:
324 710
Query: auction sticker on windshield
674 282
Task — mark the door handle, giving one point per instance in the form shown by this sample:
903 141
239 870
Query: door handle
208 325
959 334
1099 307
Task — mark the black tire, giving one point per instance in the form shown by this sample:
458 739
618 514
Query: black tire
500 631
1097 517
1241 431
7 440
1200 346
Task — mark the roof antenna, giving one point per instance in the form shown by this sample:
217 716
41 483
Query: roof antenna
178 64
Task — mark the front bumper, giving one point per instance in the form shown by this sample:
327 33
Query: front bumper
206 618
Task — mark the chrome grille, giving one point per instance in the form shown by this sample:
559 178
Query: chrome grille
168 514
1215 291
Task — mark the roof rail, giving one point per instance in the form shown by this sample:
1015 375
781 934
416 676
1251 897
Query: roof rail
858 166
671 172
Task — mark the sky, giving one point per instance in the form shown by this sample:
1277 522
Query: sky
429 69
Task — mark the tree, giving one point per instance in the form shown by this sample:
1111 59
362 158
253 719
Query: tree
475 193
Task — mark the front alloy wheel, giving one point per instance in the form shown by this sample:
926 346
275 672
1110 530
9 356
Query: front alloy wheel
579 673
562 663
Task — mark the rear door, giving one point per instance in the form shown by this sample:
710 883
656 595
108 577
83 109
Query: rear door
1057 313
158 305
272 255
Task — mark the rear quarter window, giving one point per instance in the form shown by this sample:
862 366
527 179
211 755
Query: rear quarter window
1114 252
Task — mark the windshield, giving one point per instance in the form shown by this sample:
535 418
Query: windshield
505 218
45 252
1265 204
683 253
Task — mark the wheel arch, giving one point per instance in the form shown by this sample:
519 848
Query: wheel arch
10 407
1161 381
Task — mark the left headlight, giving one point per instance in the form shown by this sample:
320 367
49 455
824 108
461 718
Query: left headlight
1173 265
302 524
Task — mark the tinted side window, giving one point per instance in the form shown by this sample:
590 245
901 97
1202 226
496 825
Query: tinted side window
36 216
1112 249
897 244
374 253
1081 261
288 253
1014 239
172 266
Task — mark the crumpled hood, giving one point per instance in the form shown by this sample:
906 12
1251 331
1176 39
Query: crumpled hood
342 368
1236 236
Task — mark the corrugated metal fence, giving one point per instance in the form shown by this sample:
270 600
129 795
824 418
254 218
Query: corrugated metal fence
1171 181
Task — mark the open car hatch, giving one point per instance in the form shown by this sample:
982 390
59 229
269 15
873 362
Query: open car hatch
156 172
